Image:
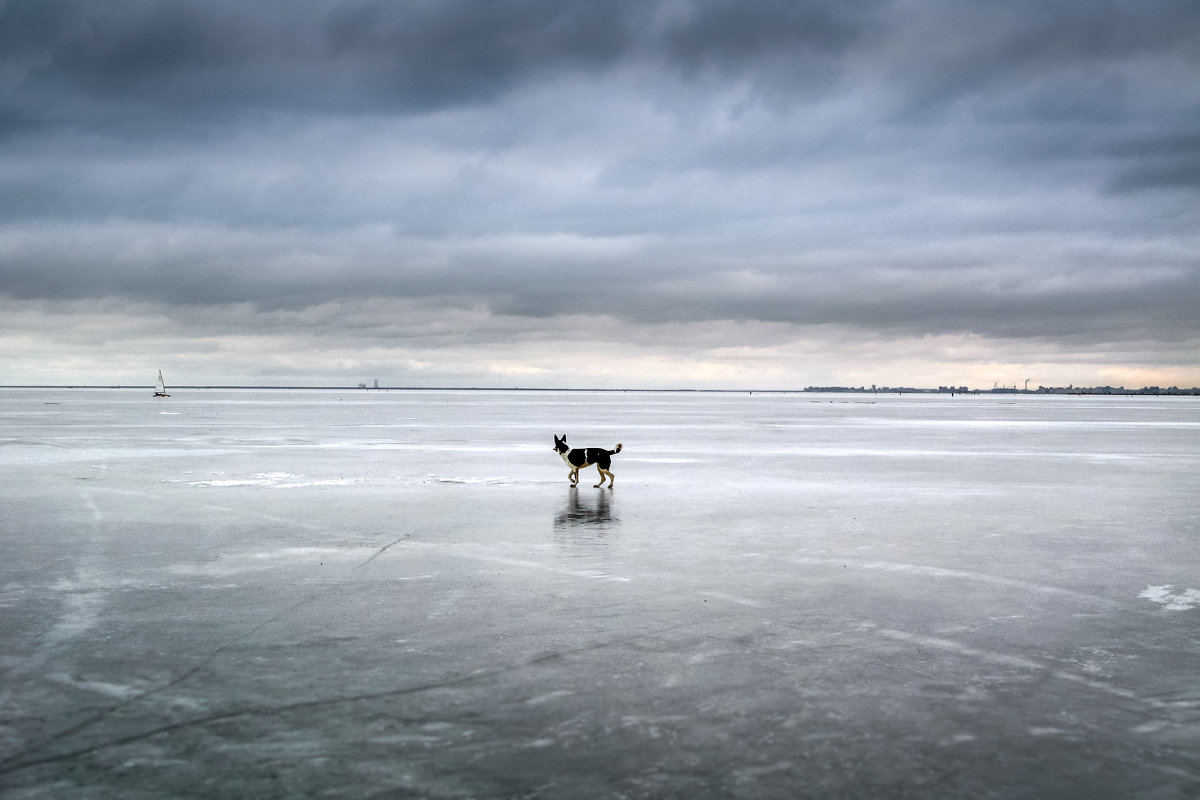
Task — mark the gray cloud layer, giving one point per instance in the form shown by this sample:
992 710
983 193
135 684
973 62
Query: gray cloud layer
1025 170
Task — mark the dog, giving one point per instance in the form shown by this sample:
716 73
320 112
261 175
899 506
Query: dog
585 457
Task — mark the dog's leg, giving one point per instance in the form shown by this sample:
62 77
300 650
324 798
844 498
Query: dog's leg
603 473
574 476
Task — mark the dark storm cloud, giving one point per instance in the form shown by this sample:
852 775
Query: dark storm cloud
1023 169
381 56
188 60
1159 163
440 53
196 59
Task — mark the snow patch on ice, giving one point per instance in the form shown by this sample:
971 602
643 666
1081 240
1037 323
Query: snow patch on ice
1049 731
497 481
80 612
729 598
541 699
1008 660
954 574
100 687
471 553
951 646
239 563
67 453
270 480
1170 599
289 552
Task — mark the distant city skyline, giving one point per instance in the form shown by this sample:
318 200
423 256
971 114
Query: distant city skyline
692 194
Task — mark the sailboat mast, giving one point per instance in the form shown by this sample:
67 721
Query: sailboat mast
160 390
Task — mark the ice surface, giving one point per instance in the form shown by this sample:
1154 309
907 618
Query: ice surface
322 593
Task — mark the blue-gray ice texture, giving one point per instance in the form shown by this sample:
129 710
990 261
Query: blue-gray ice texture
397 593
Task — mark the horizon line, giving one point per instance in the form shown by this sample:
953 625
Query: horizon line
952 390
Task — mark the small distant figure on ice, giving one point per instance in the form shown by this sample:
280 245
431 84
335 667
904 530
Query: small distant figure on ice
585 457
160 390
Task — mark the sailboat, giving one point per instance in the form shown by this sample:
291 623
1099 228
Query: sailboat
159 389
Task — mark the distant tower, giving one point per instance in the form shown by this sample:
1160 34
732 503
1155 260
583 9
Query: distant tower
377 383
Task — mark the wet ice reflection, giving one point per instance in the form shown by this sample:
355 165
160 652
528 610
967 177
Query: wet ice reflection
590 511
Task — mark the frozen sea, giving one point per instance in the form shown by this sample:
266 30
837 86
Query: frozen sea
285 593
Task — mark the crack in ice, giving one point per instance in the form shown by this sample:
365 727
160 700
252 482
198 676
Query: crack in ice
14 764
8 765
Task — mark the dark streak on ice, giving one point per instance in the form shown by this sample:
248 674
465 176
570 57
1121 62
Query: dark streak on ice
266 711
7 764
380 552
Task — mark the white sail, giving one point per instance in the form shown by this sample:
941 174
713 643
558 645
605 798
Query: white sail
159 389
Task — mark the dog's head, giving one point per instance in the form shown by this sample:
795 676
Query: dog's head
560 444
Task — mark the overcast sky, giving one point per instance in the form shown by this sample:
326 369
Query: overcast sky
682 193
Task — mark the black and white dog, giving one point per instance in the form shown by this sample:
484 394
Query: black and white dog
584 457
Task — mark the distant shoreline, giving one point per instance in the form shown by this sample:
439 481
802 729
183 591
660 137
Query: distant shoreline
1101 391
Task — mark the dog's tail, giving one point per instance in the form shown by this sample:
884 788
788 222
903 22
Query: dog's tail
614 452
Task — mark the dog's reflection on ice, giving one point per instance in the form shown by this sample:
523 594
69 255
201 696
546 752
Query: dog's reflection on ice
586 510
